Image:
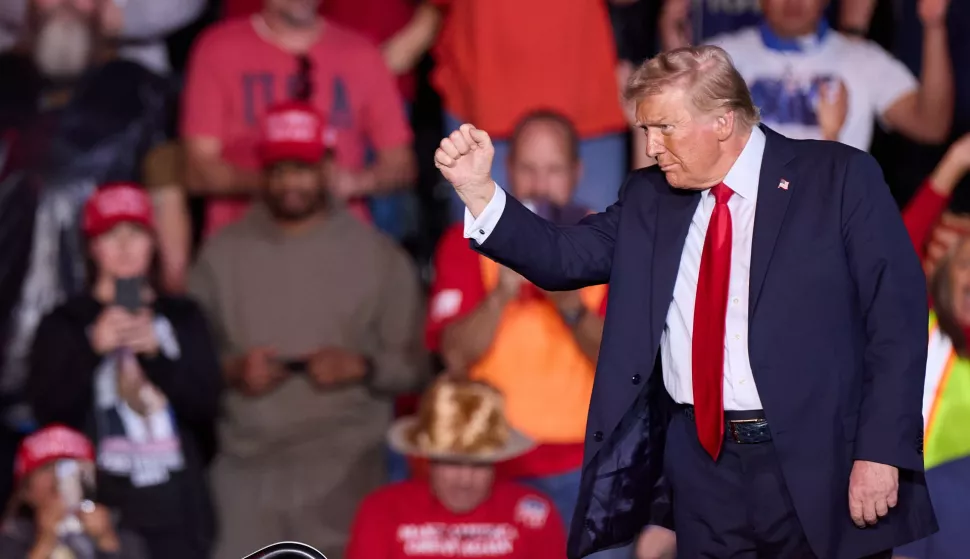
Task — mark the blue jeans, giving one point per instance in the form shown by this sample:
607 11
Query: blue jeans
397 214
605 165
563 490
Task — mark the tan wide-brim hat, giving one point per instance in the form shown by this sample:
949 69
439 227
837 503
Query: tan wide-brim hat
399 437
459 421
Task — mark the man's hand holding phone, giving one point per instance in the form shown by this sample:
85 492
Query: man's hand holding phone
333 366
259 372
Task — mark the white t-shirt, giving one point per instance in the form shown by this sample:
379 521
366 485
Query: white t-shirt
785 84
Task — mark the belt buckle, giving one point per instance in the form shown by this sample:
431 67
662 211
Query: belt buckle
734 428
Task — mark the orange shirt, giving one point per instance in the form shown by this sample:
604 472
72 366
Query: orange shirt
496 60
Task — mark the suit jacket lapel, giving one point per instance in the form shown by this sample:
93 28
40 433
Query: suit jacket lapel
675 211
771 209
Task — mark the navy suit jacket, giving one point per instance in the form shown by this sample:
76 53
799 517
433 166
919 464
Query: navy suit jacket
837 340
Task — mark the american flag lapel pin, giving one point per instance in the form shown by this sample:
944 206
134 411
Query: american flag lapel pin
783 184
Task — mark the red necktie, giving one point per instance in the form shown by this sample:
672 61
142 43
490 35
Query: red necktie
710 309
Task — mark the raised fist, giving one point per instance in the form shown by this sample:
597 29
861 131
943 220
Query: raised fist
465 160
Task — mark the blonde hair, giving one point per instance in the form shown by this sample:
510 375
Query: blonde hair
460 417
705 72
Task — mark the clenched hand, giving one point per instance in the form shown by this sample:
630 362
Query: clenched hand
872 491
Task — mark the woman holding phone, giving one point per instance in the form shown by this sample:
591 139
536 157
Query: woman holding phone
137 371
51 515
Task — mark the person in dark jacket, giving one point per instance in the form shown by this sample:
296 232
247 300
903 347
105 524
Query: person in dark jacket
138 372
51 517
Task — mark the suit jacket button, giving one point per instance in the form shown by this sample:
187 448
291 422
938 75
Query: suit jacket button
635 379
598 436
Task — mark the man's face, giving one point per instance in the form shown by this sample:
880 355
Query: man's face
960 283
542 167
295 191
298 13
791 18
461 488
65 37
684 142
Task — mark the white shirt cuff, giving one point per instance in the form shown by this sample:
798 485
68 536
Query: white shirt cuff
480 228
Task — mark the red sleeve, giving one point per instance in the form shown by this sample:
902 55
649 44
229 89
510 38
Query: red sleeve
922 213
384 121
457 287
602 309
548 541
372 534
206 90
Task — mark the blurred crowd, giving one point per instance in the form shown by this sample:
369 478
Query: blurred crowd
237 306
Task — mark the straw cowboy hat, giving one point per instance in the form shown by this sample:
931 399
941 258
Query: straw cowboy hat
459 421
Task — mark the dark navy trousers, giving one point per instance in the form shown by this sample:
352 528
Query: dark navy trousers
735 508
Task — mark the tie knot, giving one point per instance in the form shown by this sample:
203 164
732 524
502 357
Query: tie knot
722 193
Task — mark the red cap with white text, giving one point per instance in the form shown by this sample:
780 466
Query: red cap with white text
114 203
293 131
49 444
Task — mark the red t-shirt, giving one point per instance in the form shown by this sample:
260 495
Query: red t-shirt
235 74
405 520
378 20
458 289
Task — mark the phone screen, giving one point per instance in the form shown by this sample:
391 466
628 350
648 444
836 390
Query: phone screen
75 483
128 293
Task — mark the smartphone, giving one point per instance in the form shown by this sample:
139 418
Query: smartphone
296 366
128 293
75 483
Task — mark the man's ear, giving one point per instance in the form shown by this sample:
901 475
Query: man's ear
724 125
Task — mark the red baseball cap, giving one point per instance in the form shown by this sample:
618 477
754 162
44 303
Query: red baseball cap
114 203
49 444
293 131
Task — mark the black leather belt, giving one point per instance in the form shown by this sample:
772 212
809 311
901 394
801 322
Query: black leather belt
741 427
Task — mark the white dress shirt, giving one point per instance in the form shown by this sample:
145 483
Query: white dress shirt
740 392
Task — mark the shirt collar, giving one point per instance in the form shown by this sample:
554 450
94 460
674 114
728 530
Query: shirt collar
796 44
745 174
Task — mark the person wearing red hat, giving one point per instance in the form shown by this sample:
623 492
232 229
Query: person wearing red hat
320 321
53 515
241 67
137 371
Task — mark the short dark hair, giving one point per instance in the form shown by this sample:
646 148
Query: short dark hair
547 116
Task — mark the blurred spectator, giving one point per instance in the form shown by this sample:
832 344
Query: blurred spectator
810 81
497 60
240 67
318 320
137 371
539 349
164 172
391 24
932 237
461 510
906 164
51 517
686 22
945 251
140 26
946 407
73 116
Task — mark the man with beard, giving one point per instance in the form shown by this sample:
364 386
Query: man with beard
241 67
71 117
317 317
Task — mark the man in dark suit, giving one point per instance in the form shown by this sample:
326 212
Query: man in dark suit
760 379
